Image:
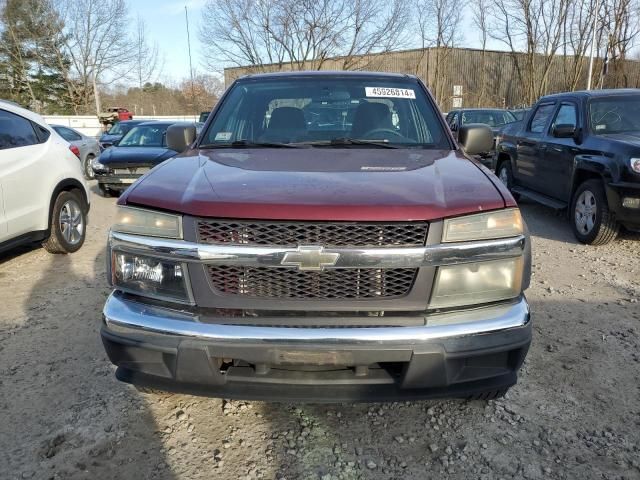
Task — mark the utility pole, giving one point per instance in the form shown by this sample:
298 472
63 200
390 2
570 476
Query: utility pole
193 96
593 42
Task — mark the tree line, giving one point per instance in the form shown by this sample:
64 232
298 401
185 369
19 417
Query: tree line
70 57
305 34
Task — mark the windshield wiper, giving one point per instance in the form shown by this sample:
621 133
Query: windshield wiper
341 141
250 144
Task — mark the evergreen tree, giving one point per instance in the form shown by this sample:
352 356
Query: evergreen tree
33 65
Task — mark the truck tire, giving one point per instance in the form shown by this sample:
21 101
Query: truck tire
591 219
68 224
489 394
104 190
505 174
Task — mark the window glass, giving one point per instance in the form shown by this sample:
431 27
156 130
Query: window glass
493 118
319 110
541 117
68 134
566 115
145 136
617 114
15 131
118 129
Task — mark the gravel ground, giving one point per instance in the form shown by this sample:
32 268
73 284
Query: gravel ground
574 414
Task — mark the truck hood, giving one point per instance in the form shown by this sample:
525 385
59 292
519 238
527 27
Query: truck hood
359 184
629 138
131 156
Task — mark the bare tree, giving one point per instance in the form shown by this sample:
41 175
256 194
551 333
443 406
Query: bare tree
98 43
438 23
577 34
533 32
300 34
146 62
480 11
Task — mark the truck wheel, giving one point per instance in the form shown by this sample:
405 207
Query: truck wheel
104 190
505 175
592 221
68 224
89 174
489 394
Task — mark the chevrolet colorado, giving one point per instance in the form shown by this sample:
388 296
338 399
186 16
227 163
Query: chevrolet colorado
323 239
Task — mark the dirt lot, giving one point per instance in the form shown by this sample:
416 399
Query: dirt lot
574 414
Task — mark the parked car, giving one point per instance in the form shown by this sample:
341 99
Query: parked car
519 113
141 149
43 196
119 130
88 147
579 152
272 260
495 118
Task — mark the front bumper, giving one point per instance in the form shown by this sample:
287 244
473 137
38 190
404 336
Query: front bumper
452 354
116 181
616 193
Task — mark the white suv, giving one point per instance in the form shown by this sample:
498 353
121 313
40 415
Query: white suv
43 196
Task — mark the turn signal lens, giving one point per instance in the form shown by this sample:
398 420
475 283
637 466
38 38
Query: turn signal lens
483 226
147 222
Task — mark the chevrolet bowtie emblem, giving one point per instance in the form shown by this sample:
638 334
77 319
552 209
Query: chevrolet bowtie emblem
310 258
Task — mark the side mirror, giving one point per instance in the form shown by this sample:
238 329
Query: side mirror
179 137
564 131
475 138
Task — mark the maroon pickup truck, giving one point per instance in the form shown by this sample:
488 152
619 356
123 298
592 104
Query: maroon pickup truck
323 239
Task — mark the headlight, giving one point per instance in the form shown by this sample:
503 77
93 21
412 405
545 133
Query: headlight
97 166
150 277
483 226
474 283
147 222
634 163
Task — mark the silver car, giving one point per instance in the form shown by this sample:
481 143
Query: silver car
89 147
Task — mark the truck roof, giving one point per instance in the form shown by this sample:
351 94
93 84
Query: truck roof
328 73
595 93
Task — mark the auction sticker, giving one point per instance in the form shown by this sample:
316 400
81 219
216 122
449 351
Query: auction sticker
386 92
223 136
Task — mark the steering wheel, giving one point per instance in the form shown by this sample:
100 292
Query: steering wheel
376 132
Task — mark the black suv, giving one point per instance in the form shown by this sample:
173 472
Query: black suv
579 151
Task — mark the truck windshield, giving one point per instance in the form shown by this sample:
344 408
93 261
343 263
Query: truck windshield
617 114
358 112
145 136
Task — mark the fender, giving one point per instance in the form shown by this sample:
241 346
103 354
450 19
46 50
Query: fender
597 165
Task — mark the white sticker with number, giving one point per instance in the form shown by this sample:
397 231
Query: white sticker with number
386 92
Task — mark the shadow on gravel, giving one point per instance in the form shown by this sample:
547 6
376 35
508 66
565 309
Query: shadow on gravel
68 416
547 223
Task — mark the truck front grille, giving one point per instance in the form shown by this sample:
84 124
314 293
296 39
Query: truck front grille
327 234
335 284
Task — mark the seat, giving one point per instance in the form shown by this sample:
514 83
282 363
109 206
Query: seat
370 116
287 124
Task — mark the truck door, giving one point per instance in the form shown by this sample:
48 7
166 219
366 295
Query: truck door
556 165
531 146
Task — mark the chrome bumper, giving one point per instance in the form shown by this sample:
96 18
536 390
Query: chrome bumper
143 322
